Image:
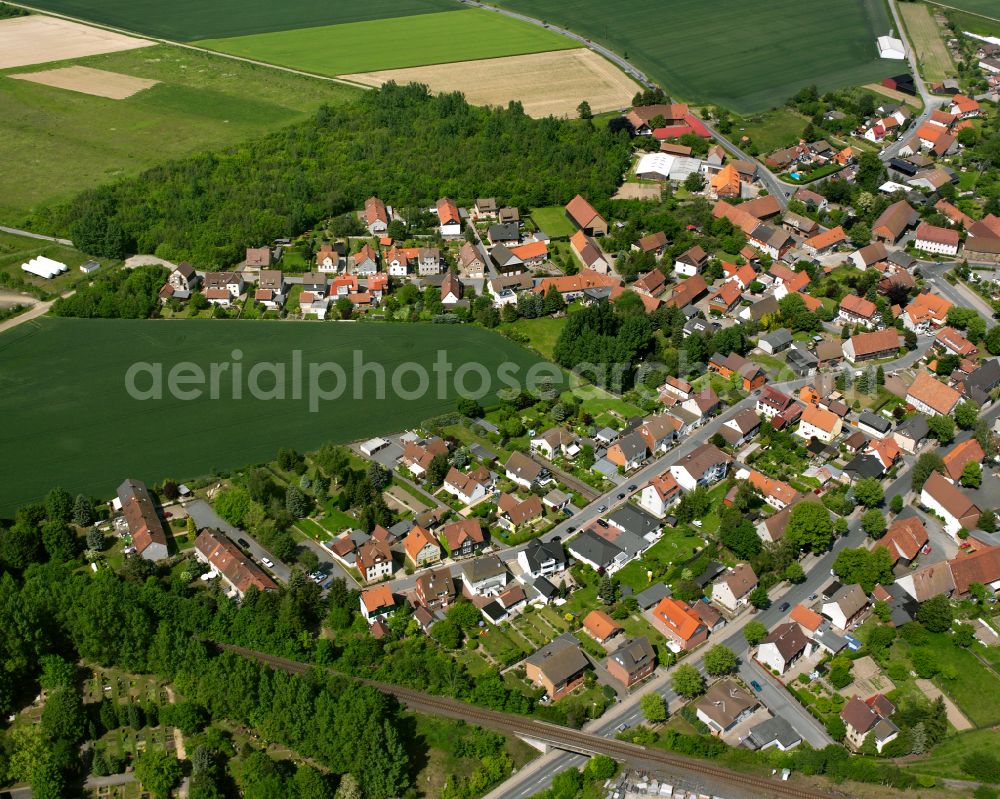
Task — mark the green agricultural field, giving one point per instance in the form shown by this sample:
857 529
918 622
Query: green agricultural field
412 41
54 143
748 55
68 419
186 20
986 8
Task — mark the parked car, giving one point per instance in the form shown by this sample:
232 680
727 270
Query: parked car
621 727
632 487
267 562
755 685
243 543
622 495
602 508
783 607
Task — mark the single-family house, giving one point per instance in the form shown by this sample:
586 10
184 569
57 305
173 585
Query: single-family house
469 486
149 537
542 558
524 471
484 576
724 705
732 589
629 451
867 257
925 311
376 216
846 606
683 627
937 240
659 494
238 573
601 627
862 719
855 310
632 662
868 346
904 539
377 602
558 667
771 402
463 538
691 262
785 644
421 547
513 513
450 221
435 588
954 507
374 561
702 466
819 423
962 454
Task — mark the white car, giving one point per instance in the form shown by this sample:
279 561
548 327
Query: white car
267 562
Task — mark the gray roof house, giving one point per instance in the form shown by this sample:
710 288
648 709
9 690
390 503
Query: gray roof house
636 521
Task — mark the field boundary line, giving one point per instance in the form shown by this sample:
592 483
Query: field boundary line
186 46
964 11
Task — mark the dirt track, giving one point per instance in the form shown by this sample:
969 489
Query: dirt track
546 83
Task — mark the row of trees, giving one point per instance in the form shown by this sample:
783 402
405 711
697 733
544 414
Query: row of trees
424 147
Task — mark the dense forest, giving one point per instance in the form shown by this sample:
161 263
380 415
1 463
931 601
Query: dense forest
399 143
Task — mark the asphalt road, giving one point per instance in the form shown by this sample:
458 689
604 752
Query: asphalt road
959 294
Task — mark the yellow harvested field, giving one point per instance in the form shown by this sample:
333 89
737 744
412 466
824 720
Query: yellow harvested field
99 82
925 34
552 83
36 39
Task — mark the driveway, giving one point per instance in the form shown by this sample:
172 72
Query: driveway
955 716
204 516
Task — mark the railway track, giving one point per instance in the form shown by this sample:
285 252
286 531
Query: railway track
558 736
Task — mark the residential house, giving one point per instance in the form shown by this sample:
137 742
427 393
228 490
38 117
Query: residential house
221 288
532 253
149 537
819 423
868 257
364 261
702 466
741 428
238 573
524 471
632 662
862 719
776 493
682 627
771 240
724 705
582 214
435 589
655 243
558 667
874 424
937 240
953 506
470 486
451 289
428 261
505 261
771 529
855 310
470 260
504 234
773 732
651 283
449 218
629 451
183 279
753 377
911 432
542 558
928 581
771 402
398 260
509 214
377 602
374 561
513 513
978 565
590 254
823 243
659 494
637 523
950 340
258 257
732 590
968 451
904 539
925 311
485 208
417 455
331 258
894 221
556 442
687 292
316 284
376 216
846 606
595 551
484 576
421 547
783 647
464 538
691 262
271 289
868 346
932 397
572 287
659 432
725 299
601 627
